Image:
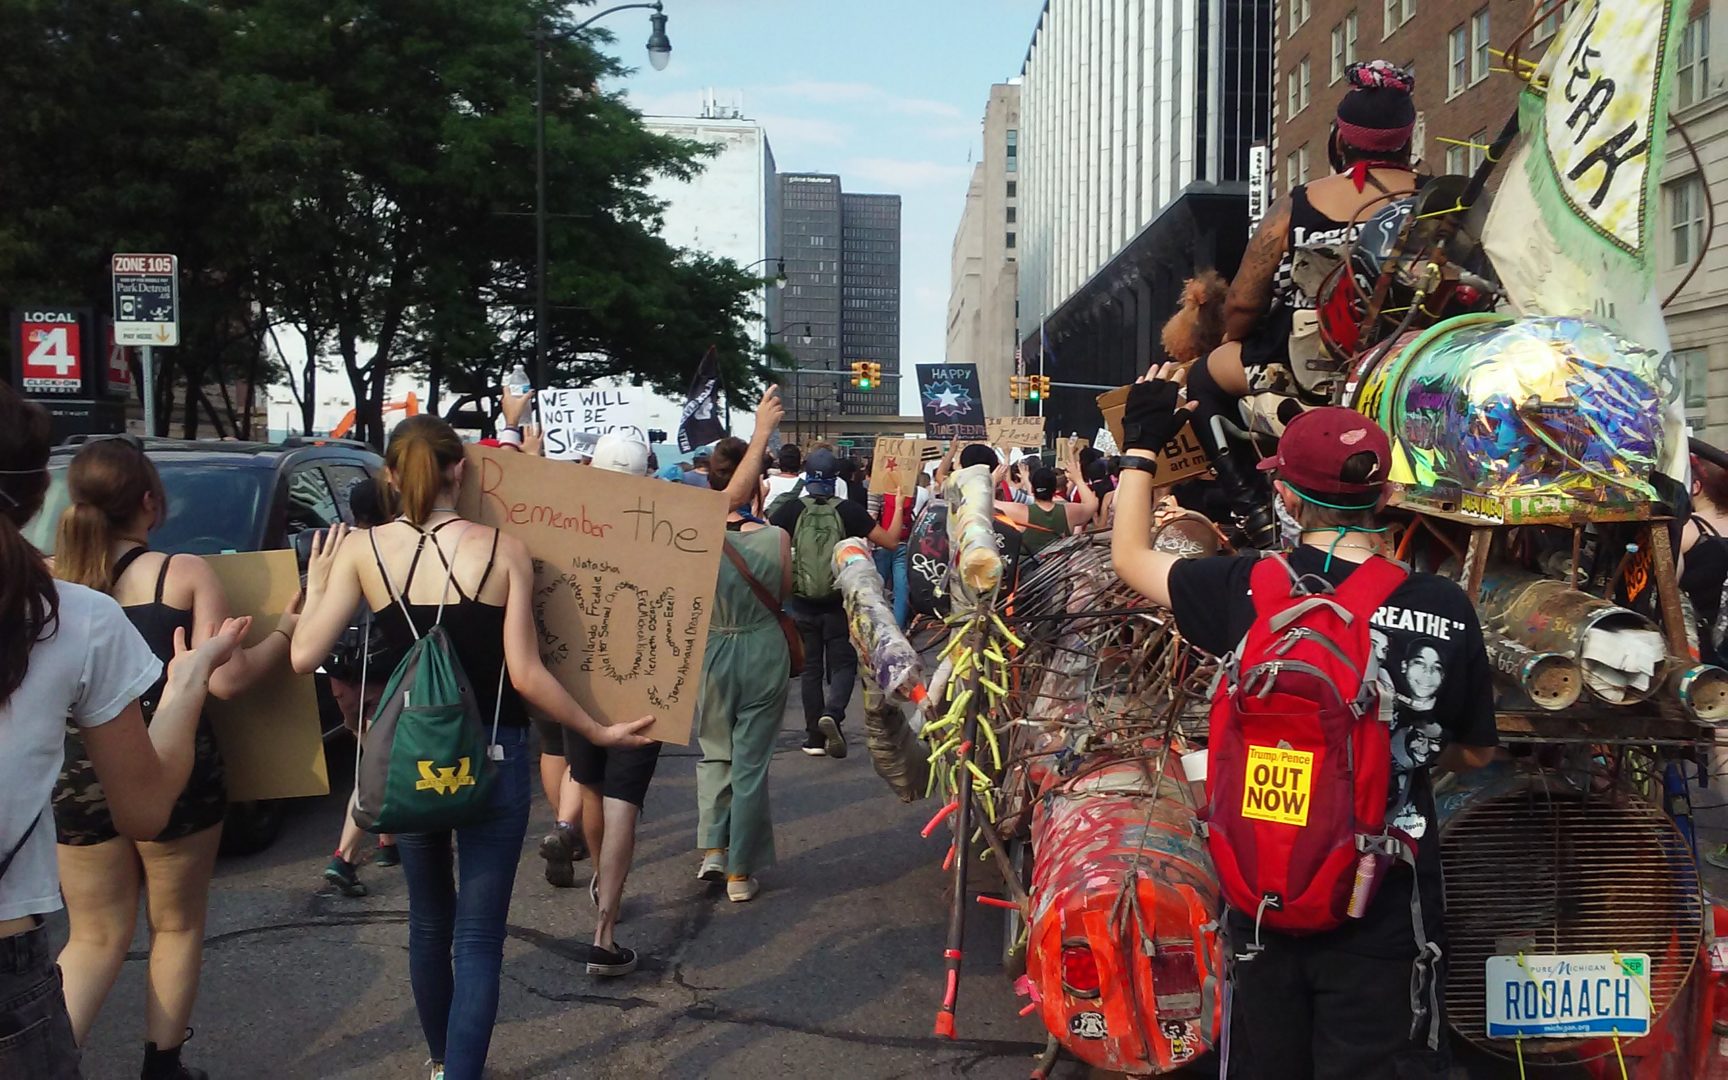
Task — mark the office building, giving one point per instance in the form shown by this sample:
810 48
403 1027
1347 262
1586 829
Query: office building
984 272
841 302
1136 125
730 209
870 298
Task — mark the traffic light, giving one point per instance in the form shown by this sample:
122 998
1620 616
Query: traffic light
860 381
1016 387
1035 387
875 374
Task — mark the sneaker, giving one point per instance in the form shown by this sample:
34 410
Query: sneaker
1718 857
742 890
815 745
713 866
388 856
558 848
611 963
345 876
437 1068
834 743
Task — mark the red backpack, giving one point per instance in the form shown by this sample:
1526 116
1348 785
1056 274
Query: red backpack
1300 761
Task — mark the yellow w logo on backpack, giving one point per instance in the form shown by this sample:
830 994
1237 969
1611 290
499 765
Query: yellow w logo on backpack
442 780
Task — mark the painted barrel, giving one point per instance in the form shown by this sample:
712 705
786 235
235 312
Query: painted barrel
1124 944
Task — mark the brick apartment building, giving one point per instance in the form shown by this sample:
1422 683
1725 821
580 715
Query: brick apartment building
1463 91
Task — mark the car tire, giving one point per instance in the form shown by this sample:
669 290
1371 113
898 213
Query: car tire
252 826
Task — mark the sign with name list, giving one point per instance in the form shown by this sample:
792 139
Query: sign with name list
625 569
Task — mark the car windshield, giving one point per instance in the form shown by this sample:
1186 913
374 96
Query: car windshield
212 508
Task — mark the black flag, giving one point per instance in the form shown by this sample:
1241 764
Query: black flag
701 425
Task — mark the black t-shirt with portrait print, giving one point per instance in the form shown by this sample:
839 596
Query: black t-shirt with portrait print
1431 653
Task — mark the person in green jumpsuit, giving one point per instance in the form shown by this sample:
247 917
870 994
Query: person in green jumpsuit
745 674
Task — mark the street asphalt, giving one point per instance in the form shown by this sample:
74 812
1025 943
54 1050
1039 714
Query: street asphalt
834 971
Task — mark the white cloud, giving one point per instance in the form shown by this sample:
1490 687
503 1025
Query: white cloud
898 174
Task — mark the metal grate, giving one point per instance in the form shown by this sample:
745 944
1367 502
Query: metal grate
1544 871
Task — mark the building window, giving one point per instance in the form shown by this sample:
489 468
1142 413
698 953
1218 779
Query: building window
1397 13
1302 163
1458 60
1298 87
1010 239
1457 160
1013 150
1011 213
1299 12
1685 219
1343 46
1479 56
1478 149
1550 24
1296 167
1013 187
1694 365
1692 72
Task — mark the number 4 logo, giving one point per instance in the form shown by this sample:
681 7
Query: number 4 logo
52 349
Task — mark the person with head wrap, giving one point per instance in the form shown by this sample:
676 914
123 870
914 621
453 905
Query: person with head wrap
1370 150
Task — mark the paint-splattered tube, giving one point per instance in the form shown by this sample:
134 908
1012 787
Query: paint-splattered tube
972 539
1549 680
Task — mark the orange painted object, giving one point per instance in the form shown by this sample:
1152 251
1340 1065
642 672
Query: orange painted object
1124 946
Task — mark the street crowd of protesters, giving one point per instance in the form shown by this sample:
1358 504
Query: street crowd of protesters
113 756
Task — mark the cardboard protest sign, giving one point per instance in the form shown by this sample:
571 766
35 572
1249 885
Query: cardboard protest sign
1182 458
624 576
1021 431
1069 446
953 404
895 466
271 740
573 420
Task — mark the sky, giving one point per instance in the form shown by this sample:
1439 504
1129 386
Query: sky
890 94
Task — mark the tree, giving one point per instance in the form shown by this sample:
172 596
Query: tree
360 171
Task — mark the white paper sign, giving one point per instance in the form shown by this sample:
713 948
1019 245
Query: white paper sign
573 420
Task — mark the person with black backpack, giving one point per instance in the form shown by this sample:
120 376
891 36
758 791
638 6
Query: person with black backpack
817 520
1338 955
446 752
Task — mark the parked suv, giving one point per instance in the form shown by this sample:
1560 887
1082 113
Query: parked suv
229 497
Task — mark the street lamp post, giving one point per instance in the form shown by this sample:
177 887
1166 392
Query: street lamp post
659 55
797 372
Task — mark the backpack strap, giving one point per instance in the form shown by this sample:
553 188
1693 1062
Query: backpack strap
449 577
6 863
767 598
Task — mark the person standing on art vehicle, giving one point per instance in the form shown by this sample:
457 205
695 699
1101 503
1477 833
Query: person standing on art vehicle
432 567
1355 993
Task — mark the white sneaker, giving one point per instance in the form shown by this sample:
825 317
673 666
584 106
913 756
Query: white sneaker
713 867
437 1069
740 892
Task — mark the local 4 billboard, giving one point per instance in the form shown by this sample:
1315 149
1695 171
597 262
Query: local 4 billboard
51 354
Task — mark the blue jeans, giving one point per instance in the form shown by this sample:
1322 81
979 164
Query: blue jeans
892 566
458 1002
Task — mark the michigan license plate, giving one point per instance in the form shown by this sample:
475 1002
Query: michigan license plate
1547 997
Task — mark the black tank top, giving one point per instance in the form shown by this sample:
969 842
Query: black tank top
155 622
475 629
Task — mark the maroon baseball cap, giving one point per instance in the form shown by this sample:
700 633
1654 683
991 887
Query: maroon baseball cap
1315 446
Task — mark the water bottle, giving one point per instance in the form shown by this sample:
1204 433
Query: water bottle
519 382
